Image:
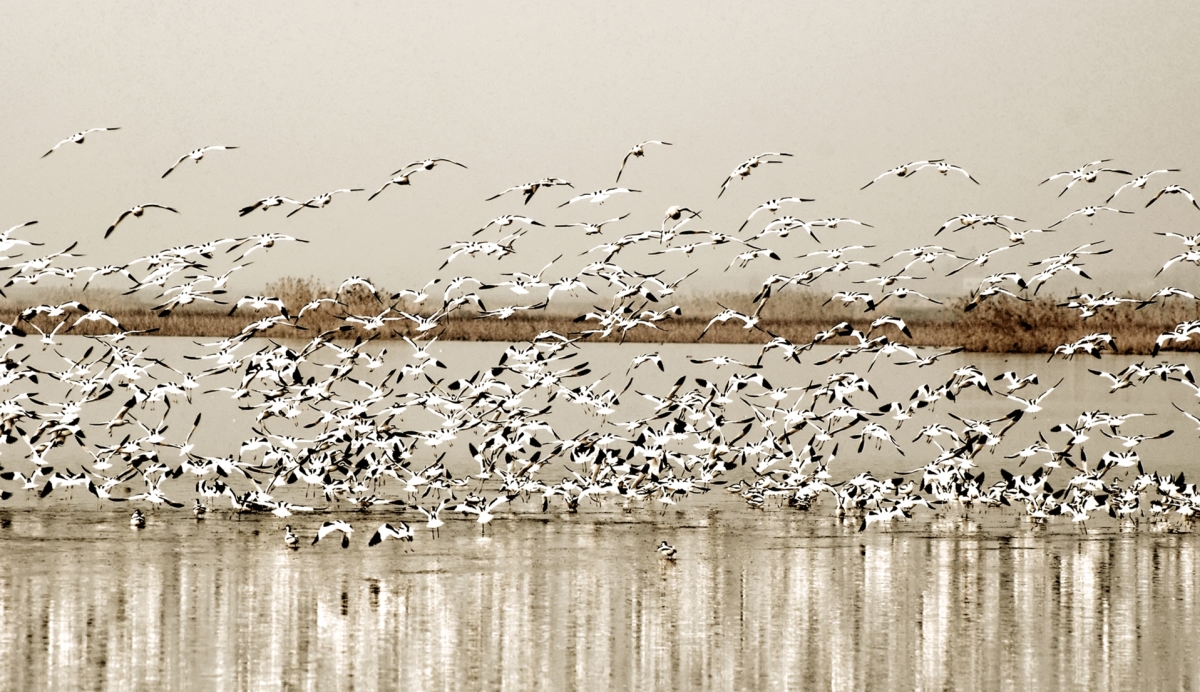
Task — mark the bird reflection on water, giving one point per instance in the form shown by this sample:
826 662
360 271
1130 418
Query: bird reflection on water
781 601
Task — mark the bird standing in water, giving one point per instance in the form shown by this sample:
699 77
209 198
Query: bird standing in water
290 539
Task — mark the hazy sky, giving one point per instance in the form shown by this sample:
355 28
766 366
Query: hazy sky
325 95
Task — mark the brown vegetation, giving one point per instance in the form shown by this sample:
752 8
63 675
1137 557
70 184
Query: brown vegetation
999 325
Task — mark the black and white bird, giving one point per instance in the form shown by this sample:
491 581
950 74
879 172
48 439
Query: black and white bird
331 526
1087 173
945 168
638 151
426 165
396 179
386 531
903 171
591 228
1089 212
773 205
321 201
1140 182
137 212
1174 190
78 138
434 519
196 155
530 189
266 203
747 167
667 551
599 196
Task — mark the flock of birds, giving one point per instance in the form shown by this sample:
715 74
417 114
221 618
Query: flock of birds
356 430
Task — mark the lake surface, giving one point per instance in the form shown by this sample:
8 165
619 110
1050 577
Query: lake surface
768 600
771 598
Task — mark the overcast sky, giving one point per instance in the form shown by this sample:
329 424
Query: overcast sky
326 95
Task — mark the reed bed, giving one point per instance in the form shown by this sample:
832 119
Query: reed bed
1000 325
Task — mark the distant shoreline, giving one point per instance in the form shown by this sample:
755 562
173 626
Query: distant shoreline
1000 326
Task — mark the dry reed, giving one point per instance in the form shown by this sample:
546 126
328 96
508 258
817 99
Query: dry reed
1002 325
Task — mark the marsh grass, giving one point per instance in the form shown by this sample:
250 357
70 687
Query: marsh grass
1000 325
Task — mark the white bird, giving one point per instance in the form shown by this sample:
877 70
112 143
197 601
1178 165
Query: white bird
1140 182
930 360
508 220
944 168
638 151
136 211
1190 417
667 551
646 358
290 539
1015 382
78 138
747 167
323 200
1086 172
530 189
484 512
772 205
1174 190
427 165
434 520
599 196
902 171
1192 256
196 155
7 243
834 222
396 179
386 531
266 203
1032 405
590 228
96 316
331 526
1088 211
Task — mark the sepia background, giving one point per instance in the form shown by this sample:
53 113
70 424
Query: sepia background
322 95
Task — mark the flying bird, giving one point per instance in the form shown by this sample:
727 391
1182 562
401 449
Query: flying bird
903 171
78 138
591 228
1088 211
320 201
196 155
638 151
331 526
747 167
772 205
266 203
530 189
1174 190
426 165
136 211
1140 181
599 196
945 168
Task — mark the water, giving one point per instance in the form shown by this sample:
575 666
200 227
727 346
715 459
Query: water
758 599
768 600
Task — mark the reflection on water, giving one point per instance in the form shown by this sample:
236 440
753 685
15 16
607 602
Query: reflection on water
756 601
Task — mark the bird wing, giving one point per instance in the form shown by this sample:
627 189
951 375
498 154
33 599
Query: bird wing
181 160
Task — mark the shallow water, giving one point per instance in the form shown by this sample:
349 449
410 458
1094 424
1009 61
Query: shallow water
758 599
764 600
